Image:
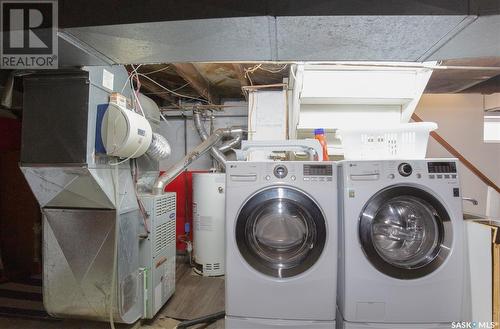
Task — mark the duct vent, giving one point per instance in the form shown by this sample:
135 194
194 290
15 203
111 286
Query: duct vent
165 205
165 235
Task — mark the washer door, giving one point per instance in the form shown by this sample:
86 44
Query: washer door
405 232
280 232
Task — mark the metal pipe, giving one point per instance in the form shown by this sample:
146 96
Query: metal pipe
198 151
471 200
214 151
231 144
227 145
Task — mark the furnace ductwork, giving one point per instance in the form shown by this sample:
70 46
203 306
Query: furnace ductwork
208 144
217 153
159 148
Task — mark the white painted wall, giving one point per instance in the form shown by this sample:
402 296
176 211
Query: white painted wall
460 120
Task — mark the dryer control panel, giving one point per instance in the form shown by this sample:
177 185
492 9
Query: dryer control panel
402 170
442 170
318 172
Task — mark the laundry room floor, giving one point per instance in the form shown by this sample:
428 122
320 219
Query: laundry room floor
195 296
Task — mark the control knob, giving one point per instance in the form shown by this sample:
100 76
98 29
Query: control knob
280 171
405 169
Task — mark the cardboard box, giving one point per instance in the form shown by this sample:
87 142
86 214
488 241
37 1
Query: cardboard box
484 258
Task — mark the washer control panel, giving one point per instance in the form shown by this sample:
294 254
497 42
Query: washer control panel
290 172
405 169
280 171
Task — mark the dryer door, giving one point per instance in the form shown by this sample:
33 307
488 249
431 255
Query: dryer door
405 232
280 232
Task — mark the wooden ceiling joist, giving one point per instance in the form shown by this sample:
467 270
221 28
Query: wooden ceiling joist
158 92
190 73
213 81
240 73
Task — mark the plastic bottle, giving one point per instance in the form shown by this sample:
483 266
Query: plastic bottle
319 134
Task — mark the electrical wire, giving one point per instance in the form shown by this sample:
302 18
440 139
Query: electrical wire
273 69
128 78
171 91
115 250
126 159
167 92
179 88
165 119
203 319
251 70
135 92
155 71
261 66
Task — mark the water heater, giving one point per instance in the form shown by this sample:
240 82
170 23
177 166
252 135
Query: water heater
209 223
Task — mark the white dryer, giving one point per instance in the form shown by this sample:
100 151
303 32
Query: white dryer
281 244
402 253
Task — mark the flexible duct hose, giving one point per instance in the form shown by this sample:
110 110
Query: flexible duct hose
159 149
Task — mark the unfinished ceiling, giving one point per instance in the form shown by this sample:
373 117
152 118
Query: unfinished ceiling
463 80
210 81
214 81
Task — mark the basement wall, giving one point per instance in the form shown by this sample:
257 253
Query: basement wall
460 120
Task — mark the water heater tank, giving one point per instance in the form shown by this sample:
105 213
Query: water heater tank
209 223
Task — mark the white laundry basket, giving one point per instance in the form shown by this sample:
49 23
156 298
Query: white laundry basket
404 141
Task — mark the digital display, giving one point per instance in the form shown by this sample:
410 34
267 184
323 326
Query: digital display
318 170
441 167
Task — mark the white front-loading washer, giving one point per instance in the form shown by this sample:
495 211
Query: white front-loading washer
402 254
281 244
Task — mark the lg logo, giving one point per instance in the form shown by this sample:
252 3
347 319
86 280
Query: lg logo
29 34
